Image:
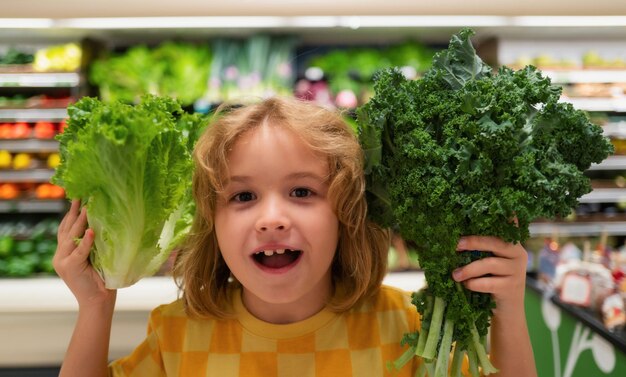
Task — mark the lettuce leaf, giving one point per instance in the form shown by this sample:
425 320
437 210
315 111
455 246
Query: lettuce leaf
132 167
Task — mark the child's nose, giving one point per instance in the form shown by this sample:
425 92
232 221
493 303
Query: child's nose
273 217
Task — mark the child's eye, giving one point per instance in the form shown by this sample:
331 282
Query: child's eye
245 196
301 192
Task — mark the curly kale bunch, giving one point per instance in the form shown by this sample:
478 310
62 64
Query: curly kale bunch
465 151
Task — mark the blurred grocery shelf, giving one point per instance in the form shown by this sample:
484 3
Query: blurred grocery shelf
38 315
33 206
40 80
573 229
586 76
33 115
598 104
30 145
26 175
611 163
605 195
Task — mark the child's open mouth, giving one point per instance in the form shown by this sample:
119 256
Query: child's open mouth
277 259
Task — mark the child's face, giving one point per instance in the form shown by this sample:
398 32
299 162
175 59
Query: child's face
275 226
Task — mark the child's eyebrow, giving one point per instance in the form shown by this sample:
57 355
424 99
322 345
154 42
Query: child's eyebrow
306 174
296 175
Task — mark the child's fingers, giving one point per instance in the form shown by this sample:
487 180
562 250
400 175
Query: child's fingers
70 216
64 260
491 284
80 225
493 244
81 252
492 266
66 243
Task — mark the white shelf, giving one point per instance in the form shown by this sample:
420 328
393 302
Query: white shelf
38 315
616 228
587 76
49 294
605 195
40 80
611 163
27 175
33 115
29 145
598 104
615 129
33 206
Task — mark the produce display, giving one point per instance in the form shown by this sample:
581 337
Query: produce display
58 58
465 151
173 69
14 56
40 101
42 129
131 166
346 74
15 160
27 248
30 191
251 69
65 57
591 59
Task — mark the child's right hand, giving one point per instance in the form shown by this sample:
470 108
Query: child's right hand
71 260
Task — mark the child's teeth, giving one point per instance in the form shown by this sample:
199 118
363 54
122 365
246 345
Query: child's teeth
269 253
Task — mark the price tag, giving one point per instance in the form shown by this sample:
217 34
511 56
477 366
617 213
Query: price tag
576 289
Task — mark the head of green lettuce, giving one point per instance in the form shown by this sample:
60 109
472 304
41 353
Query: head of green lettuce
131 166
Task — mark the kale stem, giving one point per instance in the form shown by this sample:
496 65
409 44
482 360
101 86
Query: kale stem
421 370
488 368
430 368
457 361
388 140
441 369
473 362
402 360
428 312
434 330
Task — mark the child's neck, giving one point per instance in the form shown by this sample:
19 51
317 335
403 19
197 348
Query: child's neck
284 313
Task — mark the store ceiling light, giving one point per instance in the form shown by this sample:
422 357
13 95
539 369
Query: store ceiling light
352 22
569 21
170 22
432 21
26 23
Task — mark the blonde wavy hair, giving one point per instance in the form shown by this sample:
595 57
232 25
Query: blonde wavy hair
360 260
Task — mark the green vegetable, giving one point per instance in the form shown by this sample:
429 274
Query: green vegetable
6 245
14 56
353 68
132 167
24 246
464 151
46 247
245 70
21 266
178 70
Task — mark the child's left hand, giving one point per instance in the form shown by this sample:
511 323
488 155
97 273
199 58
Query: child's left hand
503 275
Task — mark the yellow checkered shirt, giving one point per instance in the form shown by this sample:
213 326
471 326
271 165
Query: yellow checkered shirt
356 343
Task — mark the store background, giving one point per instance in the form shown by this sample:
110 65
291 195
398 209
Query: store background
37 311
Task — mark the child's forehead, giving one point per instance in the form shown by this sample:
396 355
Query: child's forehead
266 137
267 132
270 148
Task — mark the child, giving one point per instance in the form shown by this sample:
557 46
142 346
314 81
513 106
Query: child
281 274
